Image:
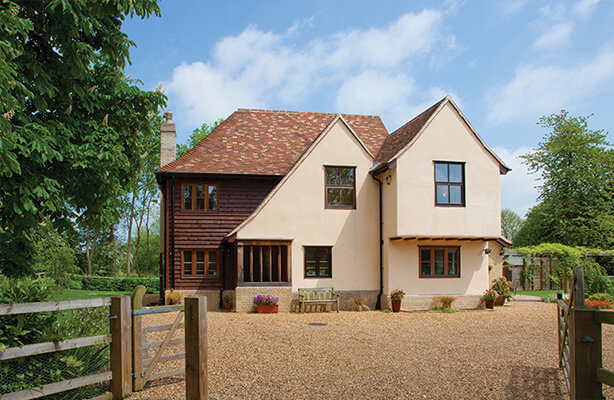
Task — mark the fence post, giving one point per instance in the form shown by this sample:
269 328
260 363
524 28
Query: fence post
138 382
585 353
121 368
196 348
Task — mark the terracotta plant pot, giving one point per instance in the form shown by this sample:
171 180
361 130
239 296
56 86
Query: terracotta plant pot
396 305
227 306
500 301
267 309
490 304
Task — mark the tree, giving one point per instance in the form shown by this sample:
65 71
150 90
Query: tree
197 135
576 166
510 223
70 120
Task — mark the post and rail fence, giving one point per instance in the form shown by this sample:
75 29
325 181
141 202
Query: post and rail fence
128 368
580 343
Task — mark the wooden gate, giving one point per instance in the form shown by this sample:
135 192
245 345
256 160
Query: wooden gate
580 344
143 365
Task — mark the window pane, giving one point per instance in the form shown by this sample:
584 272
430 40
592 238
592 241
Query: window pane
200 197
310 261
200 203
200 191
425 254
426 268
455 194
441 172
439 257
324 269
310 254
187 263
333 197
212 268
200 263
347 197
332 176
187 197
212 198
456 173
442 194
324 261
346 176
452 261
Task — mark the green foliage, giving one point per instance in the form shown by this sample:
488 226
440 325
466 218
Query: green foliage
576 167
53 255
17 330
71 122
595 279
502 286
119 284
510 223
197 135
602 297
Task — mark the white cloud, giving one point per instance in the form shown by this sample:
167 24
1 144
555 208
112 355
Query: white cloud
584 8
535 90
558 35
518 188
255 68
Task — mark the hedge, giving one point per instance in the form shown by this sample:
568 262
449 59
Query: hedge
119 284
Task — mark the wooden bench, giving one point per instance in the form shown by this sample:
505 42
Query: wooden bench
317 296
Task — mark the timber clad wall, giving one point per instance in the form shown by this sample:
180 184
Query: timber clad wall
238 197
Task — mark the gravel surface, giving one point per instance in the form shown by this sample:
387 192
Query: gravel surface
506 353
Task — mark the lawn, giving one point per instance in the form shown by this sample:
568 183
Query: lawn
75 294
539 293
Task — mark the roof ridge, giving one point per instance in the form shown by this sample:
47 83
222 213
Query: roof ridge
263 110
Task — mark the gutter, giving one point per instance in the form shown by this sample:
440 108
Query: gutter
378 304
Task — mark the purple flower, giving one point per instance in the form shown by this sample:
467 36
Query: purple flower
265 299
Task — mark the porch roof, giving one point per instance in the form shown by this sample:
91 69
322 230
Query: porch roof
499 239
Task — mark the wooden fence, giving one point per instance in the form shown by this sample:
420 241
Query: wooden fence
580 344
122 376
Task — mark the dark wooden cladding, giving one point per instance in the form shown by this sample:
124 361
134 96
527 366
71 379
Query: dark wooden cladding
238 197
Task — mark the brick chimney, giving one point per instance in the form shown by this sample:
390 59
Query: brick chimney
168 140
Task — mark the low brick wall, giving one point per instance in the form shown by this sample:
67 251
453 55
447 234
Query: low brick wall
243 296
213 297
421 303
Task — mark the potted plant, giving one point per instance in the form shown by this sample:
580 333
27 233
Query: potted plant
489 298
266 304
227 301
502 286
396 296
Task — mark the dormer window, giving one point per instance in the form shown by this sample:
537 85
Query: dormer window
449 184
196 197
340 187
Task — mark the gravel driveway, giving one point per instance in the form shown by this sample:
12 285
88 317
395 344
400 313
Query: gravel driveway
507 353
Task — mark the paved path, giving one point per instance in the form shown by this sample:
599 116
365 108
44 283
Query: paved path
526 297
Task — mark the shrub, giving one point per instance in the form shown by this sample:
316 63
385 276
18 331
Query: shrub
446 301
121 284
174 297
602 297
596 279
502 286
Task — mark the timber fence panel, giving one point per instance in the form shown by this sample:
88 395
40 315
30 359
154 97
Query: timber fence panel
72 359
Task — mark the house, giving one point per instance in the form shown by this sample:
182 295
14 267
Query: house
273 201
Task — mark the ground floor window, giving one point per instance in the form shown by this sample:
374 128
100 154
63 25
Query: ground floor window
439 262
318 262
199 263
266 261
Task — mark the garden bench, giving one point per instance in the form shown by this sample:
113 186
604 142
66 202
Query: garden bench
317 296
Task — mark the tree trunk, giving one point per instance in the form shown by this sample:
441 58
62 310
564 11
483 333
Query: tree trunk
89 252
147 230
138 243
129 249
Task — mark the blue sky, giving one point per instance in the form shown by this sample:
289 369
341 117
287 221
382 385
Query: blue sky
505 63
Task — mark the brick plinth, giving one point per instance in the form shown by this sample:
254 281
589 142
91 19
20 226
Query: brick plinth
421 303
244 295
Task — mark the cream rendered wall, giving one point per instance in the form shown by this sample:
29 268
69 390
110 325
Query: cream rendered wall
447 138
297 212
404 274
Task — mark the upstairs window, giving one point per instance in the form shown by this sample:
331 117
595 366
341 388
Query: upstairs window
449 184
199 197
340 187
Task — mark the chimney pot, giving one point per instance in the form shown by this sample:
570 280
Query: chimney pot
169 116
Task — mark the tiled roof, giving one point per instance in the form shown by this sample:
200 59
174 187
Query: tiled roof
264 142
398 139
